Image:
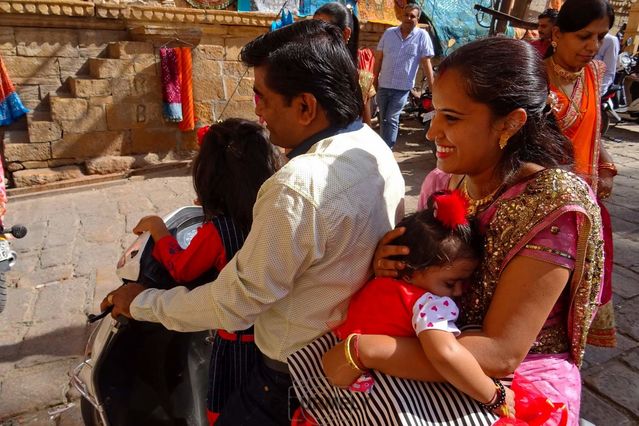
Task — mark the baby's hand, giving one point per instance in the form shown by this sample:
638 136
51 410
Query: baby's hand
153 224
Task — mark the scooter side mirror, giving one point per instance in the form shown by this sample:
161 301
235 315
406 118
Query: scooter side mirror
629 41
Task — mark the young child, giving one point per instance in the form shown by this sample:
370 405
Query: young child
235 158
443 255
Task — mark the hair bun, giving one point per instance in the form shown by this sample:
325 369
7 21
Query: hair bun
450 208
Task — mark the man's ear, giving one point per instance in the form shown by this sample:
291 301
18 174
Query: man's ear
306 106
347 34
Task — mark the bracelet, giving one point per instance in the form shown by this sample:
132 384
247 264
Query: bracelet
499 399
349 356
608 166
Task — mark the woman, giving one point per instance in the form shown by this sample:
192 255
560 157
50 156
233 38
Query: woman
343 17
575 79
535 294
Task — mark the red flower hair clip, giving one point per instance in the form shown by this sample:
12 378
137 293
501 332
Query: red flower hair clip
450 208
200 134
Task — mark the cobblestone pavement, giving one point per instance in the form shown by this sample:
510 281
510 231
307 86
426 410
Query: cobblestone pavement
67 263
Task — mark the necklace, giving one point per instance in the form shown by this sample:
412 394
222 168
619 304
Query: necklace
475 206
565 74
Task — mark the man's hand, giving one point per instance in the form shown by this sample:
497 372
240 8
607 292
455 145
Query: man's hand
121 299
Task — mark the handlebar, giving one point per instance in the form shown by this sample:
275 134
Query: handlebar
18 231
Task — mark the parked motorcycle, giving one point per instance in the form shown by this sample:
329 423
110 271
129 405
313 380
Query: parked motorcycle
8 257
140 373
419 105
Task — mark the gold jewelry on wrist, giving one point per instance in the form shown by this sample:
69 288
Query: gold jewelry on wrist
608 166
347 352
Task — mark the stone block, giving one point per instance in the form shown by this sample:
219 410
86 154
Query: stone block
42 385
31 69
129 49
188 143
14 167
99 38
146 160
122 116
72 292
34 177
233 46
618 383
627 317
204 114
234 69
63 108
154 140
88 145
596 356
625 253
28 92
239 90
208 88
240 109
93 121
63 162
205 68
48 42
73 67
44 131
88 87
35 164
213 50
246 31
7 41
110 68
15 136
625 282
27 152
109 164
599 411
146 64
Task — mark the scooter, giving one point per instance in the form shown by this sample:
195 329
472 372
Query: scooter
8 257
140 373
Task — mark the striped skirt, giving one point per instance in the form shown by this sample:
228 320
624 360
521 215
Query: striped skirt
392 401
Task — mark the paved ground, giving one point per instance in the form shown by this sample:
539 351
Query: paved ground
67 264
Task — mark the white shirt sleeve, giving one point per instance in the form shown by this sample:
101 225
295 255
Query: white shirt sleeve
432 312
255 278
427 50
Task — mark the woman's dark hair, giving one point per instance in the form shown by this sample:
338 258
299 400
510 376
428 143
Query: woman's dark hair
577 14
505 85
235 159
309 57
343 17
432 243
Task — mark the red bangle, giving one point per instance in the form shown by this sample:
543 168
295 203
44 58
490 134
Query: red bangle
358 361
608 166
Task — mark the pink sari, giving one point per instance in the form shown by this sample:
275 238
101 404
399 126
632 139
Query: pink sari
553 361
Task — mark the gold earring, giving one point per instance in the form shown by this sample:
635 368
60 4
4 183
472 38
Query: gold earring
553 44
503 141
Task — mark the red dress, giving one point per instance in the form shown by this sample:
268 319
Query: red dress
382 306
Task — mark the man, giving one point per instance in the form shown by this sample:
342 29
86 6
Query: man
545 21
399 53
608 53
316 222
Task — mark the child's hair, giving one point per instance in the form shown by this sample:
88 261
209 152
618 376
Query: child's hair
432 242
235 159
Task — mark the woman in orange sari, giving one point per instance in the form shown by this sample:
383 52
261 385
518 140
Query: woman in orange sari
575 78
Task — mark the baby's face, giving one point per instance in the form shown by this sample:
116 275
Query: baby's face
445 280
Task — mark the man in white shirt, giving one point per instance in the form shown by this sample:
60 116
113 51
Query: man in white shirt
316 222
608 53
399 53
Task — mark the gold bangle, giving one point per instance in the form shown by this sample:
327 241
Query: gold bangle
608 166
349 356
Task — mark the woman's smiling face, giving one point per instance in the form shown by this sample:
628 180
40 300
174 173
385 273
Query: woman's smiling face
464 130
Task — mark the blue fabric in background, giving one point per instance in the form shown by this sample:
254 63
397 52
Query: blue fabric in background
11 109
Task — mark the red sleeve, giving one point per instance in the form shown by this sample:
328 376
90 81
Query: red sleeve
205 251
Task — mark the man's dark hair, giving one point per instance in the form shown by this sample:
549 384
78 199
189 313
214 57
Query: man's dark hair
309 57
549 14
235 159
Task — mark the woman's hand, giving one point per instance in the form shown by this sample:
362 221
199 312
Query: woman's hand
153 224
604 186
383 266
337 370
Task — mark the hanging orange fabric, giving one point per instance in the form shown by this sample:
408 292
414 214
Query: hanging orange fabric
186 68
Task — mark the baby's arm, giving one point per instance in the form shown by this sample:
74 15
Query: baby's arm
153 224
457 364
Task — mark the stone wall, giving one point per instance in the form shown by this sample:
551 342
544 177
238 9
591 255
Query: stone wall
89 71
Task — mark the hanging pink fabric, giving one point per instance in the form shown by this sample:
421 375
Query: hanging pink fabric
171 90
